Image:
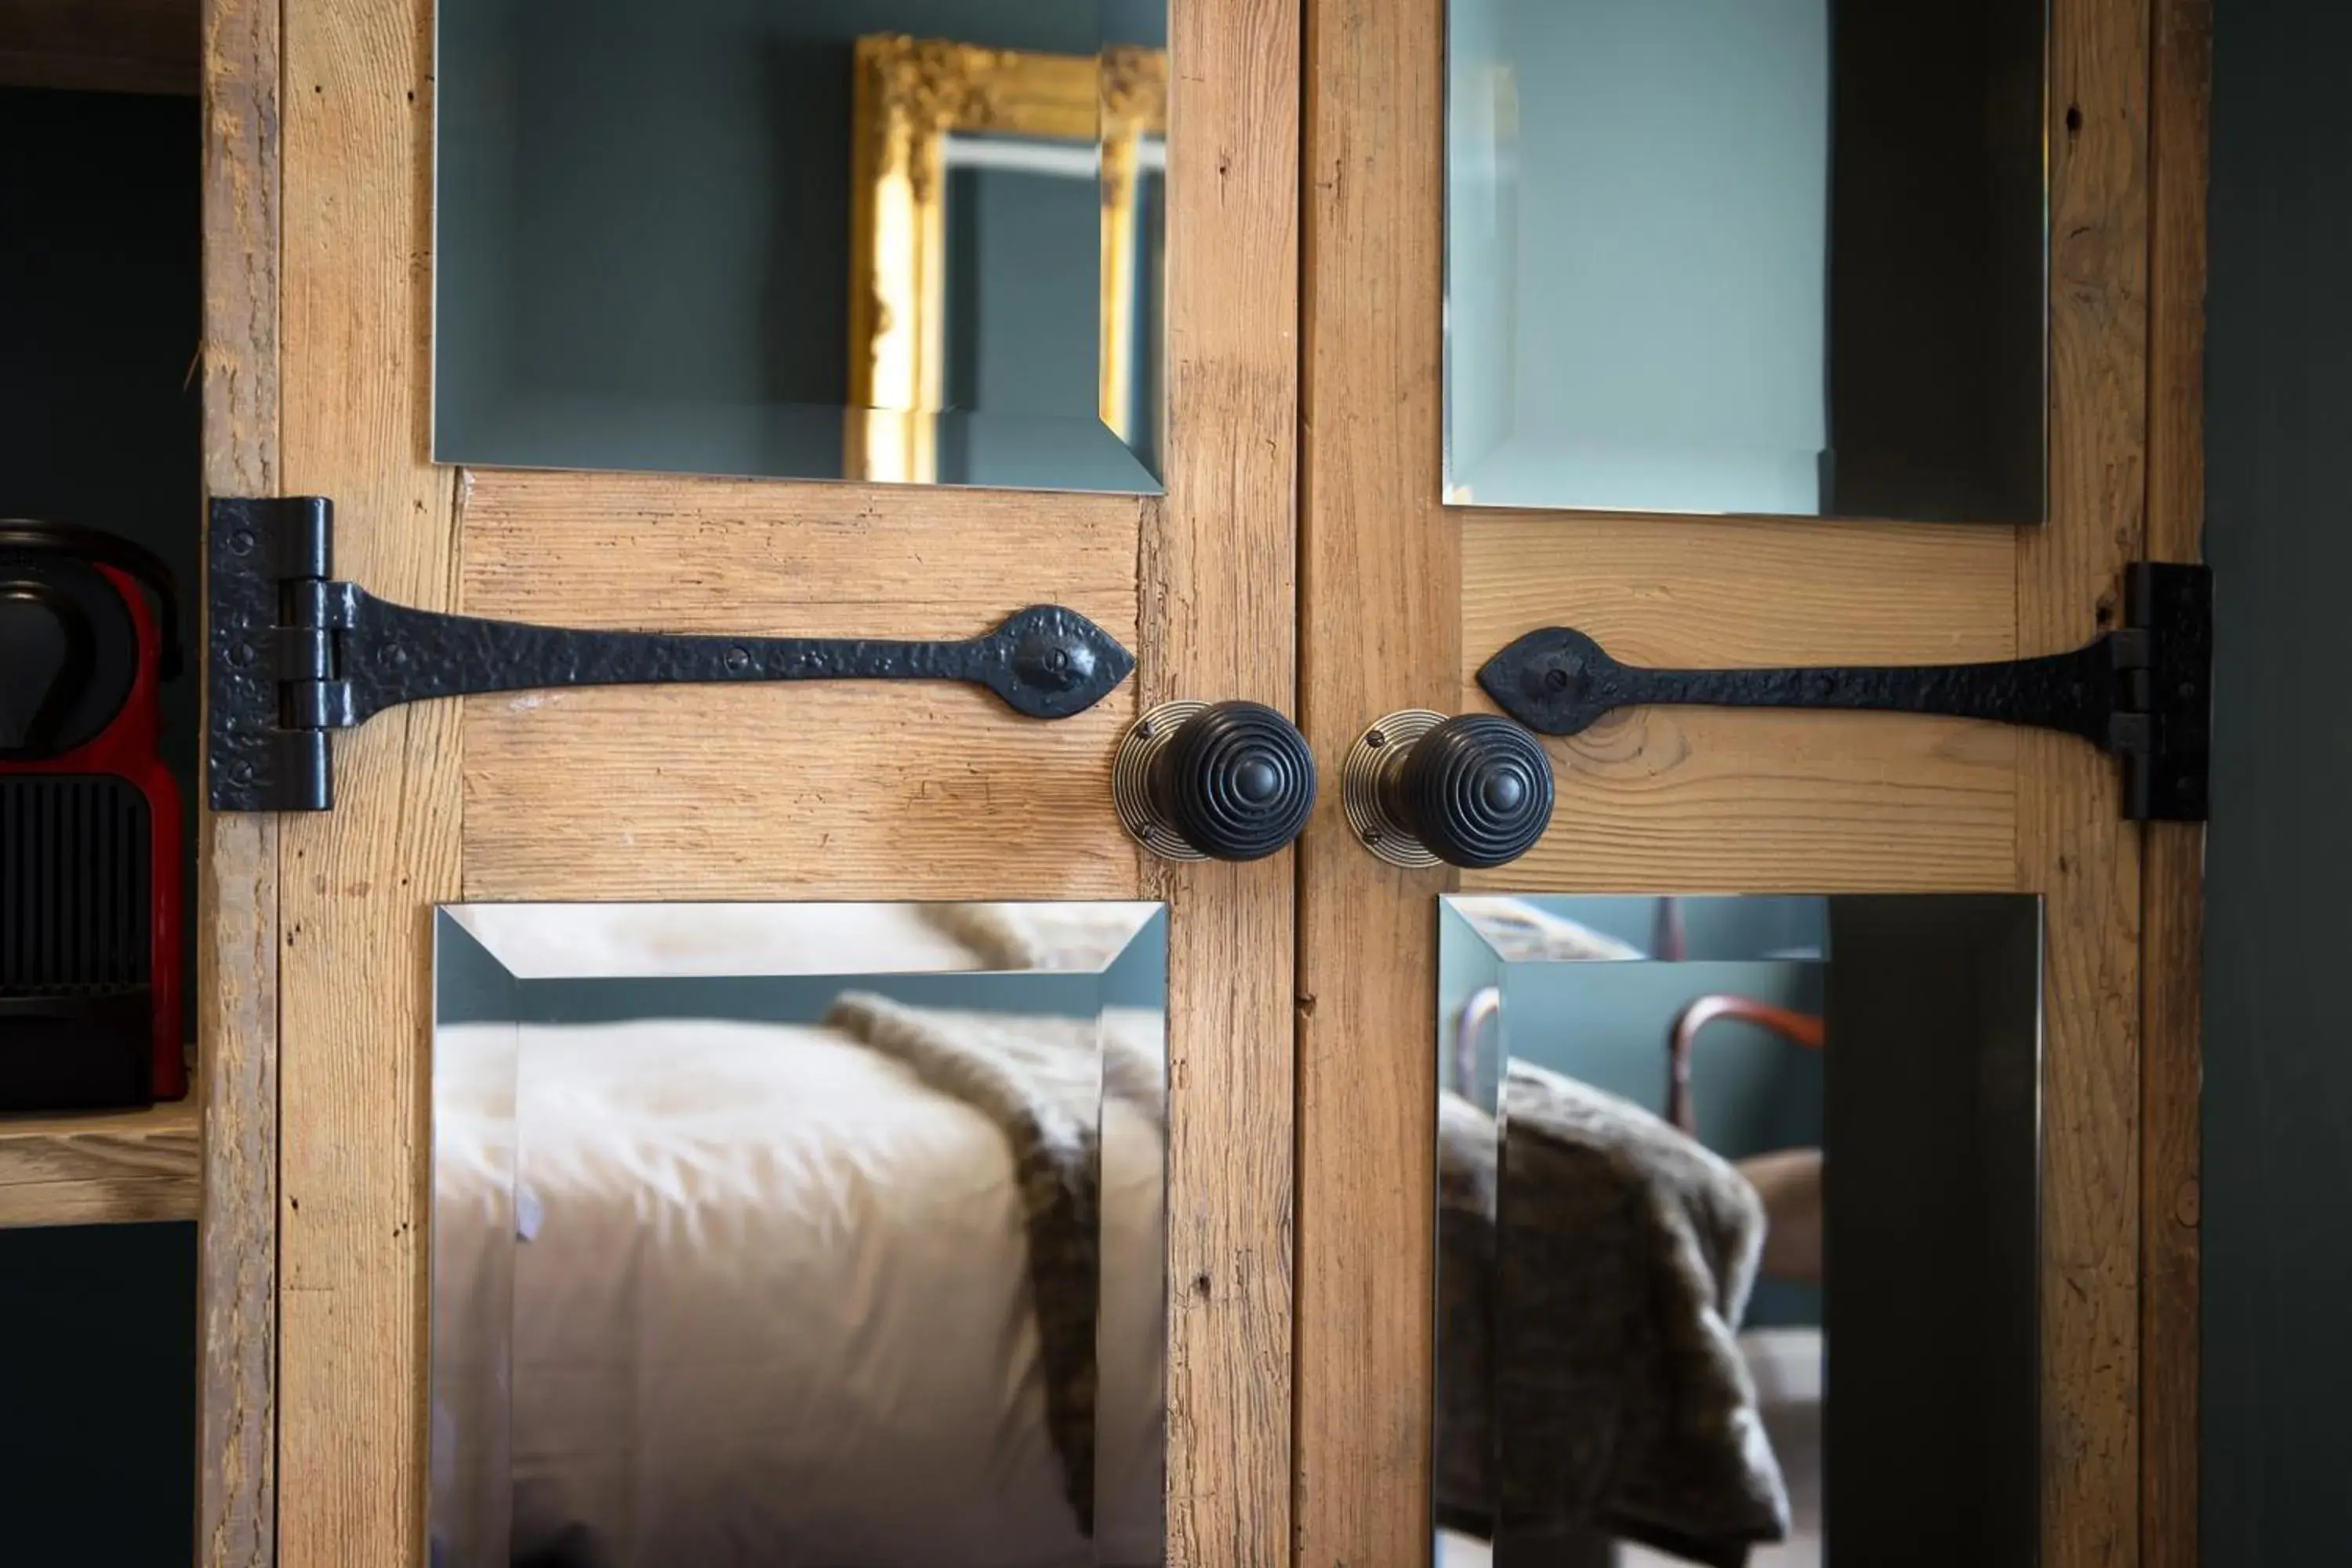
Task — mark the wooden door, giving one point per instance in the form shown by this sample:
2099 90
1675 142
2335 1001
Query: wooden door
1403 599
320 249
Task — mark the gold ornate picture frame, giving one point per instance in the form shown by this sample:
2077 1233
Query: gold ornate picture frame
909 97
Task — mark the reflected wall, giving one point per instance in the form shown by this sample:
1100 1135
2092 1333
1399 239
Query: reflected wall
775 1234
1747 257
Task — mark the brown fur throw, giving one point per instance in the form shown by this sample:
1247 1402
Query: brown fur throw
1042 1081
1589 1290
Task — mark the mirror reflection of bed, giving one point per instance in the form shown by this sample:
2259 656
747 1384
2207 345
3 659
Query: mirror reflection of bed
1634 1223
780 1235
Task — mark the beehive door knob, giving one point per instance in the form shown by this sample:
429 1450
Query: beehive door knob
1474 791
1226 781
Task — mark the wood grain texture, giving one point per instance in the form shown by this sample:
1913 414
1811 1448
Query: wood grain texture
1379 630
1692 800
1217 620
357 885
2172 870
236 874
101 46
2072 847
869 792
111 1169
817 790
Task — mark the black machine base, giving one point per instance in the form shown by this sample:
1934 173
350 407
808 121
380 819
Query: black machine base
90 1050
295 655
2142 693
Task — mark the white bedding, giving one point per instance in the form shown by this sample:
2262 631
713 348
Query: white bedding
774 1309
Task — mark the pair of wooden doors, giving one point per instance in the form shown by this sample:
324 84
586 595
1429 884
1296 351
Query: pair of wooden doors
1301 558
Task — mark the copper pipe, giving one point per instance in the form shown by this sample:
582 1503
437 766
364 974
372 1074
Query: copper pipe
1802 1028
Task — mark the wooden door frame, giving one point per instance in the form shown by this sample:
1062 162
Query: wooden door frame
2172 854
236 905
318 115
1402 599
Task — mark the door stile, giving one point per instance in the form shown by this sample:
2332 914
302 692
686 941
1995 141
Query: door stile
2073 847
2172 866
238 898
1381 575
1218 612
358 885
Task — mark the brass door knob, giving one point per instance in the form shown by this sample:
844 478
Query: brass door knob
1226 781
1474 791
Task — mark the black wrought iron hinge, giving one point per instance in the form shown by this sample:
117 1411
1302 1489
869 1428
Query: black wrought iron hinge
2142 692
293 656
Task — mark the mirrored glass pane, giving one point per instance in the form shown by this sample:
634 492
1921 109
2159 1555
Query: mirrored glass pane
905 240
1772 256
1737 1231
799 1236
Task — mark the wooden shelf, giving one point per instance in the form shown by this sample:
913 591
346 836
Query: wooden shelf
119 1167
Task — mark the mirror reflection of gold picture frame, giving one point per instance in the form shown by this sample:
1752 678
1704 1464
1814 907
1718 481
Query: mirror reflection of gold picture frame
910 95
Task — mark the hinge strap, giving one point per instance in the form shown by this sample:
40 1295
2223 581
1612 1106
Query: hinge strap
296 654
2142 692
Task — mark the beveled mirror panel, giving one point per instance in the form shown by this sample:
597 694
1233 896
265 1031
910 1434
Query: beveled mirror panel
1773 257
904 241
797 1236
1737 1231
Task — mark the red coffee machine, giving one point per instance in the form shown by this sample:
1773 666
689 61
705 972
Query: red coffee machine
89 824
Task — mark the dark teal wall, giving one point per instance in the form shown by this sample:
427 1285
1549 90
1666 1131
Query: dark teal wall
98 1380
2277 1194
99 321
99 313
